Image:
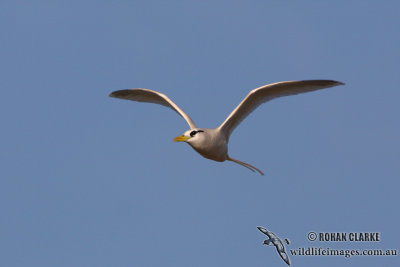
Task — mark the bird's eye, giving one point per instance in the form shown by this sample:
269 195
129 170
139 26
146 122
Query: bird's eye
193 133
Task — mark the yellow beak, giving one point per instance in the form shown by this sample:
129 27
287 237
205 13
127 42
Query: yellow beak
181 138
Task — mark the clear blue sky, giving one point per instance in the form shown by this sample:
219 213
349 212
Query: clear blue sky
87 180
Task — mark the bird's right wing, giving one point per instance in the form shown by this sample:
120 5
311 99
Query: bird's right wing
284 257
268 92
150 96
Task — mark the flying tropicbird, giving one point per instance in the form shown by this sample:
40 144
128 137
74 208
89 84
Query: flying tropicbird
277 242
213 143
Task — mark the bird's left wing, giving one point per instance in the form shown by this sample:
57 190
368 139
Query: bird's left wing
150 96
266 232
268 92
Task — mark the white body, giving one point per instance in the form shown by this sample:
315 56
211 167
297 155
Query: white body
210 144
213 143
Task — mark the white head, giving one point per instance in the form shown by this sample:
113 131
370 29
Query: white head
194 137
207 142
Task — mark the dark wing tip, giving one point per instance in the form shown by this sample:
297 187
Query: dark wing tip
128 93
335 83
323 83
339 83
120 93
262 229
326 82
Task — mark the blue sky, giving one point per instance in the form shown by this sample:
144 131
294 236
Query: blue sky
87 180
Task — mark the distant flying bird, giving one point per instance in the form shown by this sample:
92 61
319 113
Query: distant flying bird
213 143
277 242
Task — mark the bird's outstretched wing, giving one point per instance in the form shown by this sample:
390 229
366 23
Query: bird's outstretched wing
268 92
266 232
150 96
284 257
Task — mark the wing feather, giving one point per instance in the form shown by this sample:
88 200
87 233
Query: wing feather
268 92
266 232
150 96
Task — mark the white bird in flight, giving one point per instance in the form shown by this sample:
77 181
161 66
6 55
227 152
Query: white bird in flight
213 143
